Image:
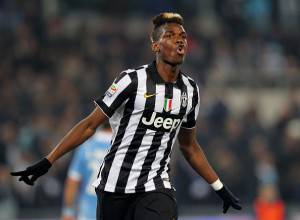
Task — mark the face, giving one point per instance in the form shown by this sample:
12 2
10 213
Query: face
172 44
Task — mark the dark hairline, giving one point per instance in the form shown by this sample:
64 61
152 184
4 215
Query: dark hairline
162 26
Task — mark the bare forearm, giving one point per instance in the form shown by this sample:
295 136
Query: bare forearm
76 136
197 159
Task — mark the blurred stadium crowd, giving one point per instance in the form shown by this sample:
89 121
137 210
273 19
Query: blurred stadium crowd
55 59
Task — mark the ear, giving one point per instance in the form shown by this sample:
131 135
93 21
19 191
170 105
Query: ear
155 46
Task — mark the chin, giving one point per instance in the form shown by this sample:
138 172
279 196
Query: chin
174 62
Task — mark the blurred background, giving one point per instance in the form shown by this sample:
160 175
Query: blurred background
57 56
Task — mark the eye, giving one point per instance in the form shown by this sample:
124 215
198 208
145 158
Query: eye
168 35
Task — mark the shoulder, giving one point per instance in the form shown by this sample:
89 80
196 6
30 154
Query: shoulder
137 70
189 81
132 73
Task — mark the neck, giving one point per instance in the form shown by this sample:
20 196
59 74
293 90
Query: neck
167 71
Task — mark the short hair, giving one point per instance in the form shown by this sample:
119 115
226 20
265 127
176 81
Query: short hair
162 19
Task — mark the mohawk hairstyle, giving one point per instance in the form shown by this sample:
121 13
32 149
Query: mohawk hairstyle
164 18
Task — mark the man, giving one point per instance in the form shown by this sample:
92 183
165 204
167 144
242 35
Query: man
148 108
80 200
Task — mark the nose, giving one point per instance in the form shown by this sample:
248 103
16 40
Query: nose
179 40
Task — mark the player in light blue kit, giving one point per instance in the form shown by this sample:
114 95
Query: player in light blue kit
80 199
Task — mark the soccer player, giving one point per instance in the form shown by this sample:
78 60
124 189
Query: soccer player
148 108
80 199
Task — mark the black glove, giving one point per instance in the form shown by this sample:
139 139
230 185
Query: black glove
35 171
228 199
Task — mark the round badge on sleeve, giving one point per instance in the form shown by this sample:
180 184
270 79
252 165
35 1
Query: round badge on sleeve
112 90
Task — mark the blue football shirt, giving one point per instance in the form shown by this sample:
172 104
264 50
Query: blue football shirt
84 168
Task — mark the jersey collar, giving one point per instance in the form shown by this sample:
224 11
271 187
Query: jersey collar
157 78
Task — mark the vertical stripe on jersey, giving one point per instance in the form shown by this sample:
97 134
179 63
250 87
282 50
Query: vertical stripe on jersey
192 117
176 104
197 107
150 158
137 138
129 107
156 143
158 179
160 91
138 163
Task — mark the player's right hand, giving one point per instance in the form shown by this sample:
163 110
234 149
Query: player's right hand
30 175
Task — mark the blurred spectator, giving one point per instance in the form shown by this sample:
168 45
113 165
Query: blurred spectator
7 201
268 204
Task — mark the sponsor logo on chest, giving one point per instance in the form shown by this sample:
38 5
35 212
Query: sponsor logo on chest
159 121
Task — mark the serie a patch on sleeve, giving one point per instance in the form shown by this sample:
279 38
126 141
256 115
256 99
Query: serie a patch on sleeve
112 90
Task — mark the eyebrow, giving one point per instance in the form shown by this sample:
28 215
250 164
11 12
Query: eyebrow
170 31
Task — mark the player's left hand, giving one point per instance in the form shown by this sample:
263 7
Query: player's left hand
228 199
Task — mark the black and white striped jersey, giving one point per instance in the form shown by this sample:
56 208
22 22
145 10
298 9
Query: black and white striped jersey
145 114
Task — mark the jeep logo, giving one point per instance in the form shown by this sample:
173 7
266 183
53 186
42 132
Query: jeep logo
158 122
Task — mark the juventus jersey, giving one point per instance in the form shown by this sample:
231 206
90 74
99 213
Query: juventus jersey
145 114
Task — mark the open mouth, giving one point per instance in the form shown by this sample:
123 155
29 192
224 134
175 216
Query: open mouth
180 50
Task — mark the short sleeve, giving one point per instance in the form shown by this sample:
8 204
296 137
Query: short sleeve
117 93
189 121
76 168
